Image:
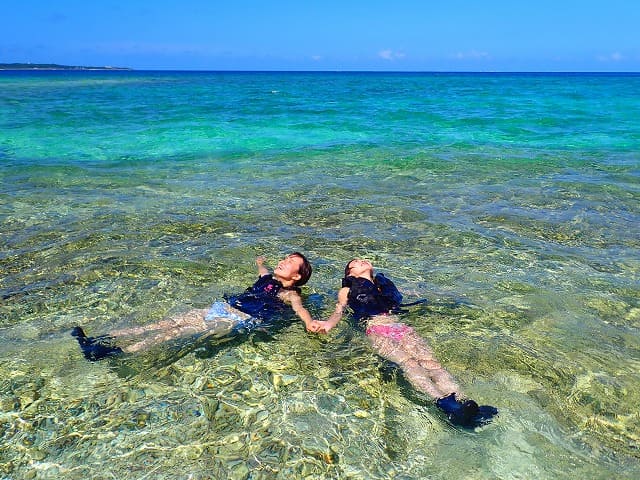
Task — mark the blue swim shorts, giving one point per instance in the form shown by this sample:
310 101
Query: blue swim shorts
222 310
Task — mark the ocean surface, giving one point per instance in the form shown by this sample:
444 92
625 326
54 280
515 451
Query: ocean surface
511 202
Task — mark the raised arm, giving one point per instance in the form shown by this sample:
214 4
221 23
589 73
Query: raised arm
262 270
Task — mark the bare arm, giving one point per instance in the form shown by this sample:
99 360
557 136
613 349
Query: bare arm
294 299
262 270
336 316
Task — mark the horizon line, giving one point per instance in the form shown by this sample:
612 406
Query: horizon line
109 69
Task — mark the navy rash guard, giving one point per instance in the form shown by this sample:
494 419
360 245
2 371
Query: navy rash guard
261 300
367 298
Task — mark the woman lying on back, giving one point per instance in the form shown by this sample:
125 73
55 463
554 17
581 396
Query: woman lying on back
374 301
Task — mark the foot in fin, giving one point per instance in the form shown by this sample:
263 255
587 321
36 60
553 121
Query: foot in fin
466 414
95 348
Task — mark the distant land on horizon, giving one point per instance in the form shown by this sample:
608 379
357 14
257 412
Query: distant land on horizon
53 66
57 67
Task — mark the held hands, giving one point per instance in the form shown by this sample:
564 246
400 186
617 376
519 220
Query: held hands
319 326
323 326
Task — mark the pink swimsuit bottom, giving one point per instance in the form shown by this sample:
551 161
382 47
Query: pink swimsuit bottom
395 331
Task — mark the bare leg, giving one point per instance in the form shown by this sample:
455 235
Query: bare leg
402 345
127 332
190 323
217 322
423 373
417 347
187 324
191 317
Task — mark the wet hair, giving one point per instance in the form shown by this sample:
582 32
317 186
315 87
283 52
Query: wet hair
347 269
304 271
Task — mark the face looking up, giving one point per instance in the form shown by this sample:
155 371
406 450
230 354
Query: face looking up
289 268
359 267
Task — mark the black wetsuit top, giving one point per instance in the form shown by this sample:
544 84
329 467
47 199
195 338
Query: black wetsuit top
367 298
261 300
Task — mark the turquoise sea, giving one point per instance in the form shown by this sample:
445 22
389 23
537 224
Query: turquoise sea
510 201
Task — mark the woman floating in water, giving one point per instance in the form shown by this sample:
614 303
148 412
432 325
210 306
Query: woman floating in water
374 301
262 305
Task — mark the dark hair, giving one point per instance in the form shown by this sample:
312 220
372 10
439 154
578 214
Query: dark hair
304 270
347 269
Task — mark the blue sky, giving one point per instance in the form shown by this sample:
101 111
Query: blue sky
452 35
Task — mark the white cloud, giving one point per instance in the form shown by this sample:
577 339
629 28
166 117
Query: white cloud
472 55
612 57
388 54
316 58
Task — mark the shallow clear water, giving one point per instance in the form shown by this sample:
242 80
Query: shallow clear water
511 202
